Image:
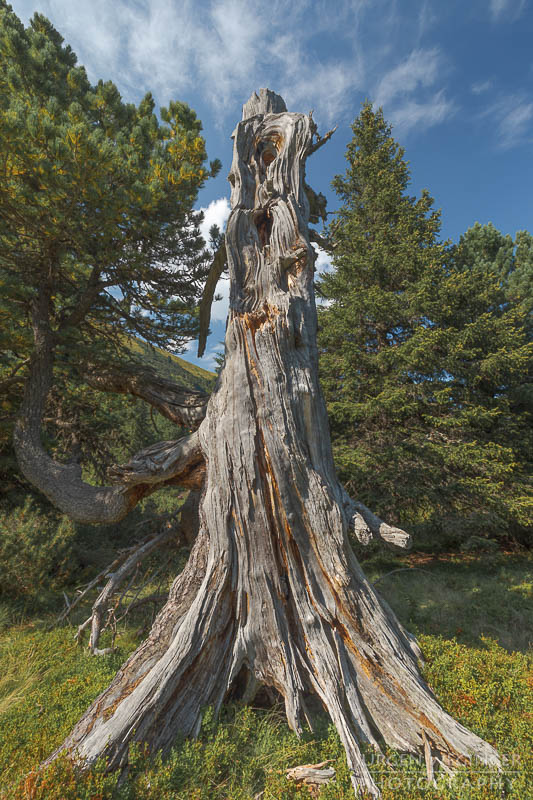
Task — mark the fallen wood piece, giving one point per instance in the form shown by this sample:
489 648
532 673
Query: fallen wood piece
314 776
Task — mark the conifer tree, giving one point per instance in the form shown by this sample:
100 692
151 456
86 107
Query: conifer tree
421 349
98 233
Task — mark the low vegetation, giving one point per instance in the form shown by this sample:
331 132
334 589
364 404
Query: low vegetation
474 619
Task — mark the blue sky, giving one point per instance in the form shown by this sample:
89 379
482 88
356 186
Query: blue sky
455 80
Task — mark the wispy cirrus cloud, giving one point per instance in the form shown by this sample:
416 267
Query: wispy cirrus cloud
410 92
422 114
220 49
481 87
512 118
418 70
317 55
506 10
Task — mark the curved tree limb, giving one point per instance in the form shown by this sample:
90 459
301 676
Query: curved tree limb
180 405
65 488
177 460
62 483
220 262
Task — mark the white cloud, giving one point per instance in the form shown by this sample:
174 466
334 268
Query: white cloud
419 69
407 94
318 54
220 50
513 120
323 261
219 309
421 115
509 9
427 18
331 85
217 213
208 359
481 87
322 264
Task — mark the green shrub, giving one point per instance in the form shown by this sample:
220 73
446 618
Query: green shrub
35 550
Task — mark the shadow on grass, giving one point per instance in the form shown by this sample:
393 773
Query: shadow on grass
459 595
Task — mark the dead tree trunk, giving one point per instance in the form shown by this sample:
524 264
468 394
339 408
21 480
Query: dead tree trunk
272 589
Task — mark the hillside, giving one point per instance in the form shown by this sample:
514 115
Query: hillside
173 367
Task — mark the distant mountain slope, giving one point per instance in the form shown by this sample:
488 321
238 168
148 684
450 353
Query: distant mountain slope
172 367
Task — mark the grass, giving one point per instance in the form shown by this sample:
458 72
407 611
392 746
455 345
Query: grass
455 595
176 369
473 619
17 678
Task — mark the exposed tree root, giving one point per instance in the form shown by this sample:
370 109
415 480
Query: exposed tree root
335 639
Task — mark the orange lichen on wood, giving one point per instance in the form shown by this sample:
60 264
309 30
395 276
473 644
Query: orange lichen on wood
110 710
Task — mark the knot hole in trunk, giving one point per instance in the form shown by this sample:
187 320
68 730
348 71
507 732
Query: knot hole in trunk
263 222
267 151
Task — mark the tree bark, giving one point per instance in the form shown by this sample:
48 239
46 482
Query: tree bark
272 587
183 406
166 463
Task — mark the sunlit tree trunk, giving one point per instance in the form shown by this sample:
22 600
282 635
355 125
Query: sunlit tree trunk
272 593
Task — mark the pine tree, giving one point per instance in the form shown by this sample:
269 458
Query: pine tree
483 308
98 225
420 351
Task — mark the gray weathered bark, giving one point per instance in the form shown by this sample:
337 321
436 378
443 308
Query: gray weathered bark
167 463
273 588
183 406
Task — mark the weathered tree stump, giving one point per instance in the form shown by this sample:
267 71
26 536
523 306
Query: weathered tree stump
273 593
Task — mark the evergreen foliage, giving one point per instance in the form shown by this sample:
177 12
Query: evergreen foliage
97 216
425 356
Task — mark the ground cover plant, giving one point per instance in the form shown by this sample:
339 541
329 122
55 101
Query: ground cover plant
473 619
